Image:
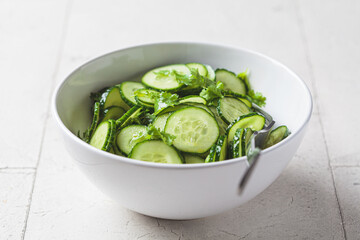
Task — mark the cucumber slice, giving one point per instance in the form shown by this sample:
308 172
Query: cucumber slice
191 158
124 138
230 150
111 97
193 99
244 98
143 95
155 151
127 90
160 121
245 141
198 66
222 125
129 117
186 91
276 136
254 121
94 123
194 128
237 143
113 112
104 135
221 148
117 151
143 104
246 101
211 73
211 156
154 80
200 105
231 108
230 81
170 109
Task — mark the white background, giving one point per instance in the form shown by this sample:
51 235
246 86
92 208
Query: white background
42 194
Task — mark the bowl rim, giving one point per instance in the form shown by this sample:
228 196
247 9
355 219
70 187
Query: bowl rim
176 166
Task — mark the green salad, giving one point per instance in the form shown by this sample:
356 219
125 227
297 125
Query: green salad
179 113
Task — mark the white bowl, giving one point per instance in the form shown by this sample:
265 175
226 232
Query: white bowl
181 191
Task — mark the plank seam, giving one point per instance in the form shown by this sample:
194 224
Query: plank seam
54 75
312 78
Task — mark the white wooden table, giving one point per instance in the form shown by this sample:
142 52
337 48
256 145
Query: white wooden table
42 194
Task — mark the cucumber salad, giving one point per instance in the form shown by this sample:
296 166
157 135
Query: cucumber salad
179 113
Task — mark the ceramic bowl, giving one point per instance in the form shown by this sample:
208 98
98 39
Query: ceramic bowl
180 191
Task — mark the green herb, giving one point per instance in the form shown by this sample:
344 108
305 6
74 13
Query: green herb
148 118
257 98
161 99
244 76
212 92
154 133
145 93
164 100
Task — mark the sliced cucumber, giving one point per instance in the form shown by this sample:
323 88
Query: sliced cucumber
111 97
246 101
230 81
170 109
126 135
198 66
143 104
193 99
189 90
211 156
155 151
237 143
144 95
160 121
104 135
245 141
254 121
129 117
230 150
117 151
194 128
276 136
222 125
94 123
166 82
244 98
231 108
211 72
200 105
127 90
113 112
221 148
192 158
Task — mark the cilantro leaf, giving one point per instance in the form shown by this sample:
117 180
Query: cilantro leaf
213 92
257 98
165 99
193 79
161 99
244 76
153 133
